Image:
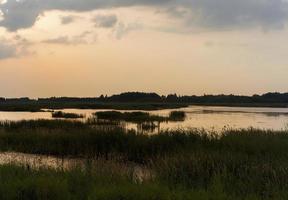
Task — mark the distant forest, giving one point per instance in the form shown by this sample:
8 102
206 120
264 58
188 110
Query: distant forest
140 97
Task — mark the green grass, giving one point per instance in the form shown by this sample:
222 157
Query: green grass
60 114
195 164
58 137
109 180
26 184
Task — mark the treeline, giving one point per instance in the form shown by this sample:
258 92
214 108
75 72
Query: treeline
153 97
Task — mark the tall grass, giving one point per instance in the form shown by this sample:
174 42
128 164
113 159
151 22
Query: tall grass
177 116
137 117
243 164
57 137
60 114
104 184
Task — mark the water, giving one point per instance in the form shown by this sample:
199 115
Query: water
33 161
207 117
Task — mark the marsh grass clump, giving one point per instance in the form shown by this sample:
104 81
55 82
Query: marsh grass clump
139 117
41 124
148 126
177 116
135 117
60 114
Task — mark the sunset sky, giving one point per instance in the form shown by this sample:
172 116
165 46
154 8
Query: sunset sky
93 47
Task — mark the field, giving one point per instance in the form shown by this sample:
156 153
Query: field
180 164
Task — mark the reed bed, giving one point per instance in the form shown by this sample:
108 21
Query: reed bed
139 117
63 115
135 117
177 116
195 164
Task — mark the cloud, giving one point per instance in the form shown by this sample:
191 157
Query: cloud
14 49
58 40
7 50
123 29
19 14
210 14
105 21
68 19
65 40
1 15
232 14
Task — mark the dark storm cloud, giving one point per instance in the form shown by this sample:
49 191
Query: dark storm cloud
217 14
212 14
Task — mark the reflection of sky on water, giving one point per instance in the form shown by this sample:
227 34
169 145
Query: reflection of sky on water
207 117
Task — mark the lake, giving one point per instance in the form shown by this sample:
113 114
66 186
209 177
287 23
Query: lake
207 117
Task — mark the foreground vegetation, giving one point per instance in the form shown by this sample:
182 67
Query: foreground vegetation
184 164
106 182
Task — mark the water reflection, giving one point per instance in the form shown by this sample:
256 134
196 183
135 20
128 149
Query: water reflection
39 161
207 117
33 161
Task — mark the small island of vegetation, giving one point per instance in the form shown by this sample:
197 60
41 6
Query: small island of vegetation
139 117
60 114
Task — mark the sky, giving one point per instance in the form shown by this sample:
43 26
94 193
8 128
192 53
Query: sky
93 47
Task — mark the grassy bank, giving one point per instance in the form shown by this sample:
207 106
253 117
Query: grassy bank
195 164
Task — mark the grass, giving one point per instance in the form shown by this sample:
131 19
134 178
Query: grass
195 164
60 114
136 117
195 177
177 116
139 117
72 138
105 184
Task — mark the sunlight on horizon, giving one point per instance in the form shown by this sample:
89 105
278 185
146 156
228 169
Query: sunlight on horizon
138 48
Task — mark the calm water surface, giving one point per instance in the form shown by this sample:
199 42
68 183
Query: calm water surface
206 117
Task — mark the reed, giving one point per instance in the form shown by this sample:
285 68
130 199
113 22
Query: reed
60 114
136 117
233 164
177 116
